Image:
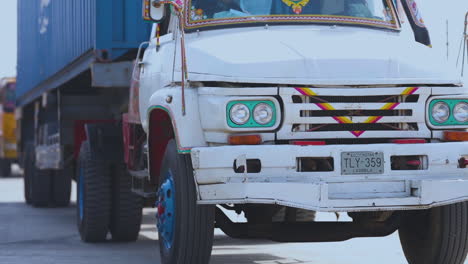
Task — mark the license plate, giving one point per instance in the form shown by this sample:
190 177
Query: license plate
365 162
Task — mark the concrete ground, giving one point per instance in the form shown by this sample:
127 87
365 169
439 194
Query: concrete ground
48 236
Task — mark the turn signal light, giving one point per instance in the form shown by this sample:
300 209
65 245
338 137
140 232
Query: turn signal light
245 140
456 135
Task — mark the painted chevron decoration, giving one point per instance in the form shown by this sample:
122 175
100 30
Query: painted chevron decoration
347 120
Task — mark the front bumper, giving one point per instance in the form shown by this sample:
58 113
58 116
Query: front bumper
279 182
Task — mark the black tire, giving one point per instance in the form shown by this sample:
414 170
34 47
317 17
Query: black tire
40 188
194 224
44 187
5 168
61 187
37 182
126 207
436 236
29 169
93 196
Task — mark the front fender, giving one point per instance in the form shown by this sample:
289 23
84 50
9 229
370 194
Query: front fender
187 128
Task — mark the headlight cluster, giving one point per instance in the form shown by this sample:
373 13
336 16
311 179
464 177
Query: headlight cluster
240 114
441 112
250 114
448 112
460 112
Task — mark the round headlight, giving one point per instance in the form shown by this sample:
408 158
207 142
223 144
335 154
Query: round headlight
239 114
460 112
441 112
263 113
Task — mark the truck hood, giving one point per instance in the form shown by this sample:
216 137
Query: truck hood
314 55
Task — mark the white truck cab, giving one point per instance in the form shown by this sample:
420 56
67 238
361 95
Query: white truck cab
279 108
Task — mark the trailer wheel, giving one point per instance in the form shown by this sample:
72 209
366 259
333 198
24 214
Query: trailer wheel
438 235
93 196
126 207
38 180
62 187
185 228
40 187
5 168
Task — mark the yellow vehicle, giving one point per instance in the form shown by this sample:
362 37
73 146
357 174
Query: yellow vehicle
8 149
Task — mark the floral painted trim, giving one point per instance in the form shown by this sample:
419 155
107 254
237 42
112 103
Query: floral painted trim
303 19
325 19
197 14
296 5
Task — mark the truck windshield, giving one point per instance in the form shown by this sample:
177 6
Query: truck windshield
219 13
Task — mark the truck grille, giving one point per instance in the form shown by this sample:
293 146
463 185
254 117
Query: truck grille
335 113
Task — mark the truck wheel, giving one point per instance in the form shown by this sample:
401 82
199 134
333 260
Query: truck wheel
61 187
40 187
185 228
126 207
93 196
5 168
438 235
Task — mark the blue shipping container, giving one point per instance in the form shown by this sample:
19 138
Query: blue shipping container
58 39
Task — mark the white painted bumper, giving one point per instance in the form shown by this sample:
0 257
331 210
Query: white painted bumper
280 183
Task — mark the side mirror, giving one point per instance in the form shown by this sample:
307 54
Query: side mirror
153 10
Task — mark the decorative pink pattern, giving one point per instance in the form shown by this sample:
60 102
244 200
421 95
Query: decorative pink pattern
305 19
179 2
191 24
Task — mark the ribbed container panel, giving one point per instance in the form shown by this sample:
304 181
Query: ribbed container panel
52 34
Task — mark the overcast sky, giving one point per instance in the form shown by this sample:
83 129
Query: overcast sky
435 12
8 38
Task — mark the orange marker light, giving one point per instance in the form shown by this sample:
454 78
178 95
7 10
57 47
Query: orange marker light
455 135
245 140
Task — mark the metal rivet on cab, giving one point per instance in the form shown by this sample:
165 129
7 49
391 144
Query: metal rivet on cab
169 99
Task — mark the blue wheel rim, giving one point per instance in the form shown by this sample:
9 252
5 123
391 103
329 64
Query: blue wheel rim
166 210
81 194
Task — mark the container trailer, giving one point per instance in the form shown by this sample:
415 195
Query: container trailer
275 108
75 60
